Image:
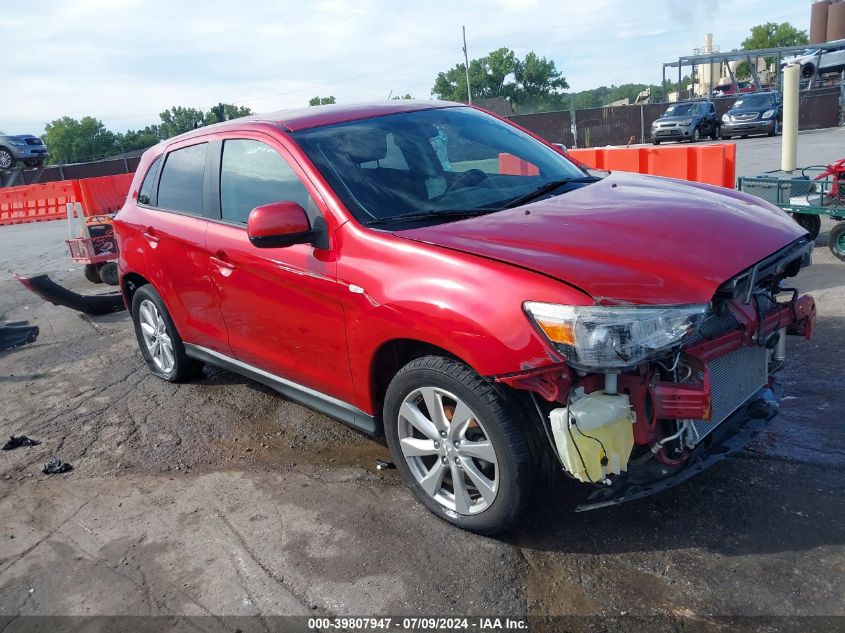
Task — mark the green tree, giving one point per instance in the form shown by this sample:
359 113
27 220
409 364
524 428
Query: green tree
72 141
770 35
773 35
178 120
501 74
226 112
316 101
405 96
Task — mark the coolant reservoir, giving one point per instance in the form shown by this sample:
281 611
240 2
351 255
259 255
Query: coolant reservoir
596 426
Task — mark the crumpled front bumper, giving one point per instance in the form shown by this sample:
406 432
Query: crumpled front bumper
729 437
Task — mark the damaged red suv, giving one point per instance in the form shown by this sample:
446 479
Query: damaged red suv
428 273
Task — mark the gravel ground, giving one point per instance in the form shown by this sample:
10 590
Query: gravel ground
220 498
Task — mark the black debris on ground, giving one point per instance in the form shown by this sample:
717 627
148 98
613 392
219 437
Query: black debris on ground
17 334
56 467
17 442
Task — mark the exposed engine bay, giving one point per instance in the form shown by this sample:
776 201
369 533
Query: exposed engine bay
634 431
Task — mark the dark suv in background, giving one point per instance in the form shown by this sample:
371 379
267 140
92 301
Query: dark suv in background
686 121
758 113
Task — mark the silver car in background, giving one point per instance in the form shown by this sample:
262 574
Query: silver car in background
22 147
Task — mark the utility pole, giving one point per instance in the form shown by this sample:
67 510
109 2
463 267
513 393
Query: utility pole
466 66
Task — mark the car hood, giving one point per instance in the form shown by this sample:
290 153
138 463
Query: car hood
751 110
628 238
19 137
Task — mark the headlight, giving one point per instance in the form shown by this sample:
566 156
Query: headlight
596 337
686 122
18 143
768 114
726 118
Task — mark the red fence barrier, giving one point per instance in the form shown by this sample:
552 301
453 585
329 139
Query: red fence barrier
36 203
714 164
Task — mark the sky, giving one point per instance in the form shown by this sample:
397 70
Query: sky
124 61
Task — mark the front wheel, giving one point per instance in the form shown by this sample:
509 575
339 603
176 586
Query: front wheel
775 129
160 343
458 444
726 137
717 133
696 136
7 161
836 241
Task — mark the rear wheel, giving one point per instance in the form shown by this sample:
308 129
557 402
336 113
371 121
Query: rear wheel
92 273
160 344
836 241
459 445
810 222
108 273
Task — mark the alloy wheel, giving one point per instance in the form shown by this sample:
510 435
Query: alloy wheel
448 451
6 159
156 338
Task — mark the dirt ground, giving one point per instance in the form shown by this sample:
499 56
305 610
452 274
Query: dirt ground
220 498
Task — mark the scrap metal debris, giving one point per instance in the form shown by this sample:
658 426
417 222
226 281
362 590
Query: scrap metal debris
94 305
17 442
56 467
17 333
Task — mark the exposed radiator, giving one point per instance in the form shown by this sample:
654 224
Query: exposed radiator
734 378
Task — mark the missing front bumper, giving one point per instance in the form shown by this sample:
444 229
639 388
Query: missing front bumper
729 437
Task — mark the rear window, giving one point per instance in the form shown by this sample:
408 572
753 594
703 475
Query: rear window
181 184
147 192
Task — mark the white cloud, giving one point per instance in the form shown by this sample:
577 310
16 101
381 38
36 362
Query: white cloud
126 60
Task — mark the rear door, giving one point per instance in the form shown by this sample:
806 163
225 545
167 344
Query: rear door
175 228
281 305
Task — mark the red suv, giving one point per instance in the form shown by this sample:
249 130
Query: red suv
431 274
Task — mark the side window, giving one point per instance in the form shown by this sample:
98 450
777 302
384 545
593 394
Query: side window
181 184
145 195
252 174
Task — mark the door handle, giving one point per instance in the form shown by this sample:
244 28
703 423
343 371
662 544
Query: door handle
225 268
151 237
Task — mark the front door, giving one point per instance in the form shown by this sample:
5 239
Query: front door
281 305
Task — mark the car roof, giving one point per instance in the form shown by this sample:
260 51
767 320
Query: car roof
318 116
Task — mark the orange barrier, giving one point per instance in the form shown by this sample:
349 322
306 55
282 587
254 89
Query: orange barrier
713 164
105 194
36 203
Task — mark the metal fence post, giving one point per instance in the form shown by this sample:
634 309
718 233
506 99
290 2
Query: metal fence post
642 124
573 127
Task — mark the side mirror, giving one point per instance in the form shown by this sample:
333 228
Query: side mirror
279 224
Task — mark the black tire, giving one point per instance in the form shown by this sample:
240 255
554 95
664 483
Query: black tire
775 129
7 159
696 135
183 368
92 273
655 141
810 222
744 136
726 137
500 422
108 273
836 241
717 133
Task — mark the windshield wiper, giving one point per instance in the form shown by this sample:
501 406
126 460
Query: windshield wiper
546 188
431 213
